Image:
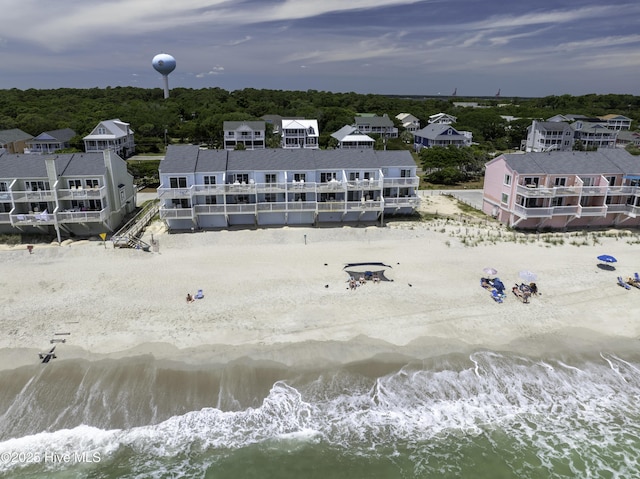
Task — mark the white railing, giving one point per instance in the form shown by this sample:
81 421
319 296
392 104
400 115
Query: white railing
409 182
365 205
402 202
209 189
301 206
566 210
249 208
594 190
271 187
79 194
82 216
209 209
268 207
532 212
27 196
331 206
593 211
175 192
5 218
32 219
176 213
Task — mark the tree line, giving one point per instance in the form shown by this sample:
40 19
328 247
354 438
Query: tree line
197 115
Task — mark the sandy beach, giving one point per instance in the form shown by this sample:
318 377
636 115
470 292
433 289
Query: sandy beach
281 293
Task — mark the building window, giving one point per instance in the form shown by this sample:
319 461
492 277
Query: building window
209 180
507 179
405 173
210 200
73 184
557 201
611 180
505 198
3 186
36 185
270 197
354 175
178 182
299 177
560 182
92 183
239 178
326 177
270 178
531 180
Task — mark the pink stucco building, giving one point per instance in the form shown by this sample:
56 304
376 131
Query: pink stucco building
564 189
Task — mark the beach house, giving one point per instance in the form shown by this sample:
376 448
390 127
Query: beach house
350 137
13 140
249 134
50 141
299 134
376 125
444 135
79 194
559 190
114 135
217 189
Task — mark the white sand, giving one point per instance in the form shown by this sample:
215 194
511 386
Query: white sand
266 291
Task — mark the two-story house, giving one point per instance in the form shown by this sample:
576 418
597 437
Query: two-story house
79 194
594 135
549 136
376 125
442 119
114 135
249 134
300 134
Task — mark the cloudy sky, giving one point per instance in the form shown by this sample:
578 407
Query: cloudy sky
413 47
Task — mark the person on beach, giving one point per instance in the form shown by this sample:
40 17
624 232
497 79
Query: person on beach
190 298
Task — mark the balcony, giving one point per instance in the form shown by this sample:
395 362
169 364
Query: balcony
208 189
209 209
302 187
406 202
532 191
5 218
273 187
33 196
365 205
572 210
82 194
331 206
412 181
301 206
72 216
329 186
372 184
242 208
617 208
593 211
532 212
241 188
34 219
169 193
594 190
272 207
176 213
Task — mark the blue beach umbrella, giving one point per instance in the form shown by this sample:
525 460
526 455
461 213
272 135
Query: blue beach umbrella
605 258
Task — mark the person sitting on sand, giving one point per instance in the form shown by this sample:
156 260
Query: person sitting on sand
190 298
534 288
376 278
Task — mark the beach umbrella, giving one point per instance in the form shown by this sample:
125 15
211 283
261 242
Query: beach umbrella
528 276
490 271
605 258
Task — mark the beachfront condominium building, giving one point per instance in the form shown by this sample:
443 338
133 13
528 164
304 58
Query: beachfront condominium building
203 189
114 135
299 134
79 194
249 135
559 190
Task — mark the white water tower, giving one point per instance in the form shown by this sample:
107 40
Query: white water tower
164 64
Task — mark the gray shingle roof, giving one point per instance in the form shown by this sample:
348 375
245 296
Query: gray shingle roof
34 166
605 161
14 134
190 159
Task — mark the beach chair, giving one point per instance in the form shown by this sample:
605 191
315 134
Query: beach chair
636 277
622 283
199 294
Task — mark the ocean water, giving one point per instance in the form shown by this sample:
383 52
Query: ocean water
485 414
